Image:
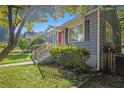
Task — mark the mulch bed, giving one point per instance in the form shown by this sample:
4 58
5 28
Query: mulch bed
105 81
89 79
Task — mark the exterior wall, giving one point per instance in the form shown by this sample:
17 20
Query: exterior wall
92 43
110 16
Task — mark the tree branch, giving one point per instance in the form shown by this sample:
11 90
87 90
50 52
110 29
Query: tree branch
16 16
16 25
11 35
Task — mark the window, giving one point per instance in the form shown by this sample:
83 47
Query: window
109 32
87 30
76 34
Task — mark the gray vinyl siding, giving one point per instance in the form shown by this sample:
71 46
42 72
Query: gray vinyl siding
111 17
92 44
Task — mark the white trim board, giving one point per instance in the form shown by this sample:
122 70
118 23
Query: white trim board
98 40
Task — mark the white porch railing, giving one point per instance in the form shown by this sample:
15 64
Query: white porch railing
41 53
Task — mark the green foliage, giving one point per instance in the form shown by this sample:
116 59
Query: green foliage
38 40
37 14
71 57
120 11
2 45
23 43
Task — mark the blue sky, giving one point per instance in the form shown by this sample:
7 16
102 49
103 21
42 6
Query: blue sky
43 26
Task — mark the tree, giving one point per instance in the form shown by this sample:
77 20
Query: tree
17 17
23 44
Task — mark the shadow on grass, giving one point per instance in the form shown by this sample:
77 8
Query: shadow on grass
73 76
18 55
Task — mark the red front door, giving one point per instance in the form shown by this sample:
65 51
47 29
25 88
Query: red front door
60 38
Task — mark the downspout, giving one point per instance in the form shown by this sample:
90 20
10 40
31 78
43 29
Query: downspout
98 40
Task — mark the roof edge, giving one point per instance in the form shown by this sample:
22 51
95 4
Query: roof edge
88 13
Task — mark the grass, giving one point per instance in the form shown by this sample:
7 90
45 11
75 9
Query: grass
28 76
16 57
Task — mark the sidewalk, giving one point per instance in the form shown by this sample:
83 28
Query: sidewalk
15 64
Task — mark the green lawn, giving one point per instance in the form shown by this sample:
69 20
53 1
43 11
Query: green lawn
16 57
28 76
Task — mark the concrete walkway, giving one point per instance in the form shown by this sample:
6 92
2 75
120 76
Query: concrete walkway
15 64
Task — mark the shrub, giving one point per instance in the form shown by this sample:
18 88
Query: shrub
71 57
23 44
38 40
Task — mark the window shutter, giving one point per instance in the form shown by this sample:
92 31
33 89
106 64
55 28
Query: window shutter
87 32
66 36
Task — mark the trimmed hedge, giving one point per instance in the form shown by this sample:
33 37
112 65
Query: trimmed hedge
37 40
70 57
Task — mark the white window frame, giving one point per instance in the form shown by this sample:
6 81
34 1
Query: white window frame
107 23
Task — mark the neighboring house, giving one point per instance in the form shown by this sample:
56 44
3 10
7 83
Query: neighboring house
98 30
30 35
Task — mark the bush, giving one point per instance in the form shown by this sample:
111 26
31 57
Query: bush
71 57
23 44
38 40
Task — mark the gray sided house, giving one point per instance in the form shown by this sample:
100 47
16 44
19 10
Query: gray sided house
98 30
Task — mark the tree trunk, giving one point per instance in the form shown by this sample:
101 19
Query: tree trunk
5 52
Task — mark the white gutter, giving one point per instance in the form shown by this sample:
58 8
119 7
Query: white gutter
98 39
